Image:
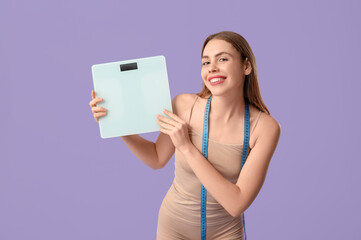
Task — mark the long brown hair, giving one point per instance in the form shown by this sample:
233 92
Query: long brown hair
251 89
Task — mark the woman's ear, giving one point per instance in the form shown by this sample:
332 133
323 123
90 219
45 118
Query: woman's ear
247 67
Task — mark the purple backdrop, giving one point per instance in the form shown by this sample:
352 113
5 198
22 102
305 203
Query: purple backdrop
60 180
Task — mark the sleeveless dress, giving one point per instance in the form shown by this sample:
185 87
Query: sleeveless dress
179 215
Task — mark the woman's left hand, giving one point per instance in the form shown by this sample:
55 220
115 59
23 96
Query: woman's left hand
175 128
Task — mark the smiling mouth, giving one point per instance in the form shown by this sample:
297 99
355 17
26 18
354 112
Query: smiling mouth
213 80
216 81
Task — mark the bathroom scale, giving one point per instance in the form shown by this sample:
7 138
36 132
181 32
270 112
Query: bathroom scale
134 92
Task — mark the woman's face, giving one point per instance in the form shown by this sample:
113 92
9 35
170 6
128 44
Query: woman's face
222 71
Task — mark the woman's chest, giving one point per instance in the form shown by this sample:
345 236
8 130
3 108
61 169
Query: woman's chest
226 158
230 133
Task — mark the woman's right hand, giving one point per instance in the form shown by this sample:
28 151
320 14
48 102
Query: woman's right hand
97 111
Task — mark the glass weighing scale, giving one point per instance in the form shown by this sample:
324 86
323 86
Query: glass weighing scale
133 92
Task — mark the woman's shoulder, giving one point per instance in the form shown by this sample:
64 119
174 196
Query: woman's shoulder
182 103
185 96
184 99
267 125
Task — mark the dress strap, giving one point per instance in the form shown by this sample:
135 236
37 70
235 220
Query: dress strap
255 124
190 113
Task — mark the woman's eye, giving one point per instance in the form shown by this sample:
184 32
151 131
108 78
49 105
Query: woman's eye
221 59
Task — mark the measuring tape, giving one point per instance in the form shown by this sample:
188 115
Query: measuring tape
205 154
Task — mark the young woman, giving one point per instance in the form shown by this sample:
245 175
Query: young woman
223 139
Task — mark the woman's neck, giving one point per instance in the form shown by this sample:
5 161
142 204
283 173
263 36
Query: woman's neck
225 108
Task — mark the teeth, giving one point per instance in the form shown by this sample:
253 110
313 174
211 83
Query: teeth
213 80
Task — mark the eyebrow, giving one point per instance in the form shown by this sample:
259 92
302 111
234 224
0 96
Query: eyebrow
218 54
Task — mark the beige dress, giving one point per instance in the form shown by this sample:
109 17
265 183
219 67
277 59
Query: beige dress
179 215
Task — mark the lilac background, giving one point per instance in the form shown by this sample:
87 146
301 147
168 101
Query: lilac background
60 180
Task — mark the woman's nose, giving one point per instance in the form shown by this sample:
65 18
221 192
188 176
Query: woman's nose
213 67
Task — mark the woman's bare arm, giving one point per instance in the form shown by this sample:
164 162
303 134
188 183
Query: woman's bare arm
236 198
155 155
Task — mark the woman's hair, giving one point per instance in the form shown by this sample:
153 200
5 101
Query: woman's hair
251 89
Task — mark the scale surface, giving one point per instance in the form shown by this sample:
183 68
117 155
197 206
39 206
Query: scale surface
133 92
